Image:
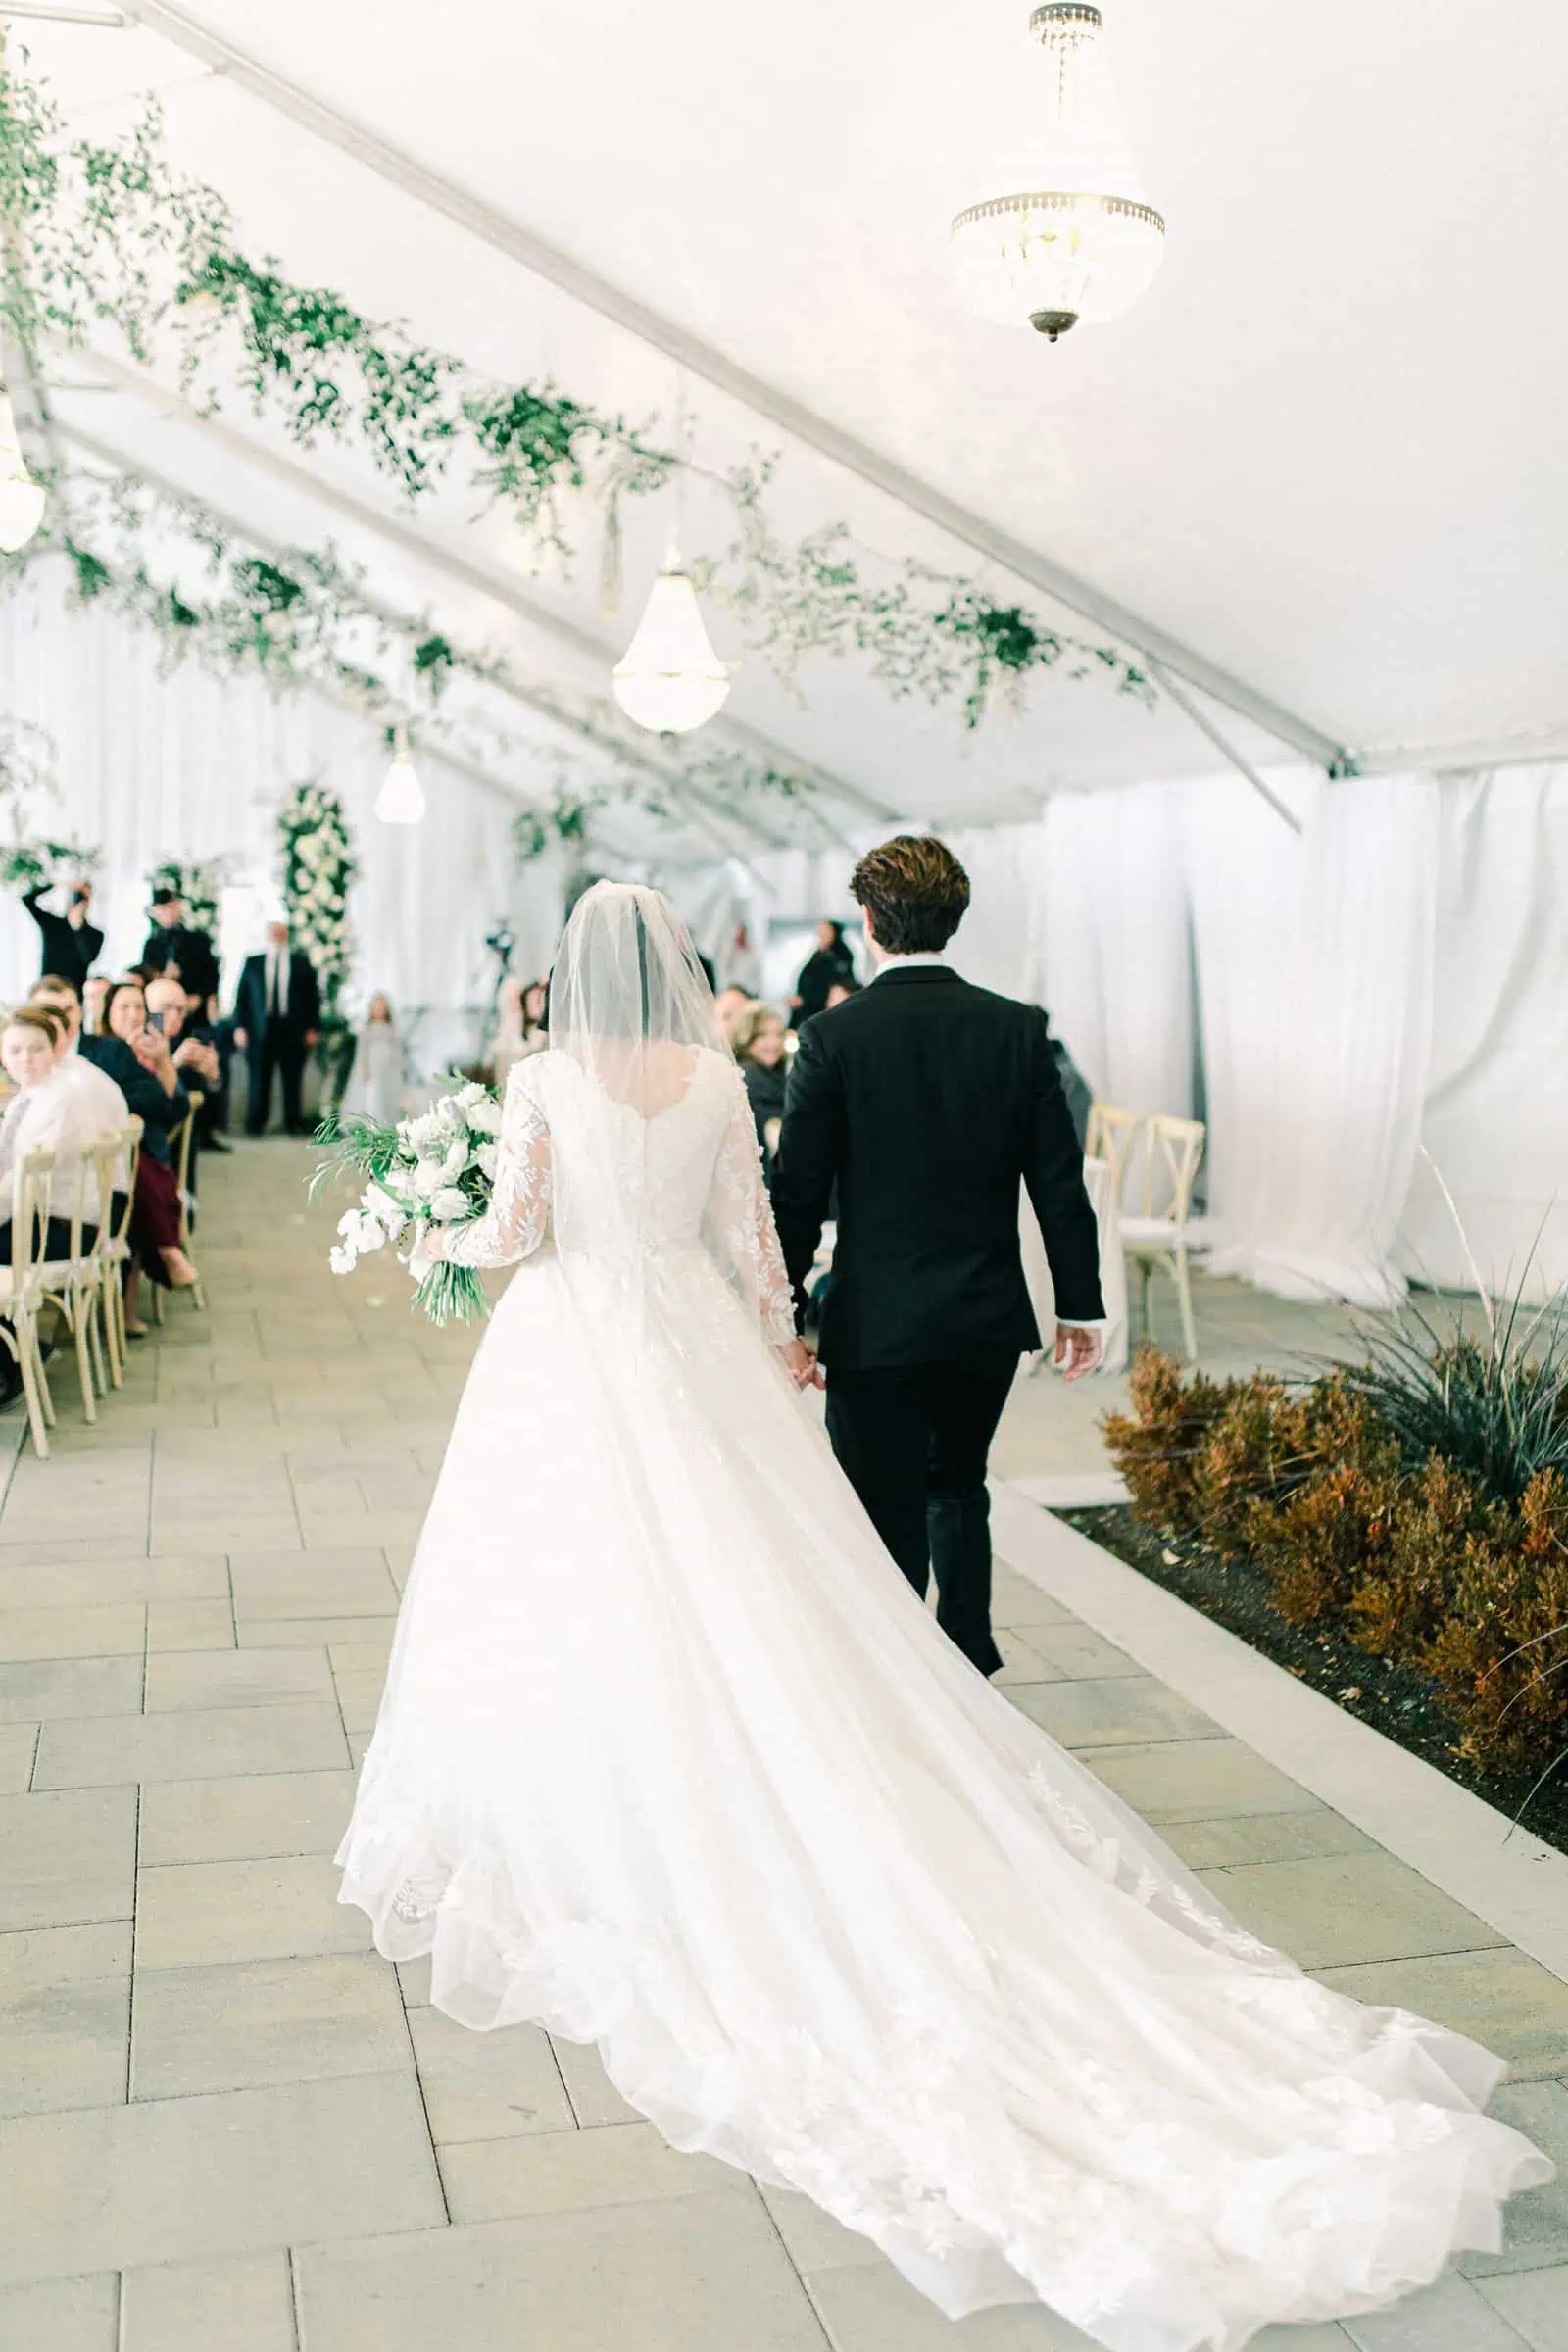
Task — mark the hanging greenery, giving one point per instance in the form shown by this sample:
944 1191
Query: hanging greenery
563 824
31 859
318 870
117 238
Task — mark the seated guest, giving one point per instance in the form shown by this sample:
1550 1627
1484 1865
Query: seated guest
97 1090
94 989
840 991
190 1041
46 1113
139 1060
758 1047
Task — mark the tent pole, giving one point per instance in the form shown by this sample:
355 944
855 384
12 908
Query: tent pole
1205 727
481 220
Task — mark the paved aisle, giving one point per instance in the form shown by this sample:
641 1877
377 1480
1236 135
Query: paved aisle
233 2129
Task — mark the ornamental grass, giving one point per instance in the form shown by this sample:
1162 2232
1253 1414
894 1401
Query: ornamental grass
1428 1522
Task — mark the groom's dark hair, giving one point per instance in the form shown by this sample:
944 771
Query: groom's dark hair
916 891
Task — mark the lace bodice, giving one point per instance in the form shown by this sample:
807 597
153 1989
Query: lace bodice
614 1182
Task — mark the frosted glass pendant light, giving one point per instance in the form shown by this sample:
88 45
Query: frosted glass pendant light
401 799
669 678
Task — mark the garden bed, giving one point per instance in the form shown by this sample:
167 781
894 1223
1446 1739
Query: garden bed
1405 1705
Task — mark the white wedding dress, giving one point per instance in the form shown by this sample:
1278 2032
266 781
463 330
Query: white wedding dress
672 1760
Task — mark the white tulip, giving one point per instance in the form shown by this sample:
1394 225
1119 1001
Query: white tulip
449 1202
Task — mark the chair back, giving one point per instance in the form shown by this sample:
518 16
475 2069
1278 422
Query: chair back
1111 1137
129 1142
182 1139
30 1184
107 1152
1170 1151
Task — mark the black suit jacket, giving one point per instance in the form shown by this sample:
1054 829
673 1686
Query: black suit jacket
191 950
70 949
928 1102
304 1009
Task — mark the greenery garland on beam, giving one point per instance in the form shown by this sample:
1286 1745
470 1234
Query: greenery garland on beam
116 236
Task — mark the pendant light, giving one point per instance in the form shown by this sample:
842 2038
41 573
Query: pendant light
21 498
401 799
1080 243
669 679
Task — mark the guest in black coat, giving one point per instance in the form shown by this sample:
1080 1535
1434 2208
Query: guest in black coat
72 944
171 940
927 1102
831 962
278 1013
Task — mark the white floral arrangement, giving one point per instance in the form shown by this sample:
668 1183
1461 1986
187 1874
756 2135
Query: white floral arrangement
318 870
435 1170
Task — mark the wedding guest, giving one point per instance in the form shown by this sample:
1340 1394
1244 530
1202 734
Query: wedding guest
760 1049
70 943
139 1060
173 943
732 1004
277 1011
94 989
840 991
743 967
829 961
520 1031
46 1113
381 1065
101 1102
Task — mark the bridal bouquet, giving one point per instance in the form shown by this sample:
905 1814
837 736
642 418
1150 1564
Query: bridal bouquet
436 1169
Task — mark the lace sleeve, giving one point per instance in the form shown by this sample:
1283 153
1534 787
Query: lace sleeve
745 1227
514 1225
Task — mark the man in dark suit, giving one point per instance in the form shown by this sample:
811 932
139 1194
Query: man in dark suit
72 944
277 1010
171 940
928 1102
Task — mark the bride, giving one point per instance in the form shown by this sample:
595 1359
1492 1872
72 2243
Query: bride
672 1760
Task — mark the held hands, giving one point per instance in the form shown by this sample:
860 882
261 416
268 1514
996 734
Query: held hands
1077 1351
800 1365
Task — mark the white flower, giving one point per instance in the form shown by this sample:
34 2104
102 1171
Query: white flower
484 1117
456 1160
342 1262
470 1093
391 1213
449 1202
488 1157
427 1179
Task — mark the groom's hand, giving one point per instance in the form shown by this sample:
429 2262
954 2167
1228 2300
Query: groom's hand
1078 1350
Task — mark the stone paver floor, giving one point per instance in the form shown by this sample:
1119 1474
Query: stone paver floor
230 2128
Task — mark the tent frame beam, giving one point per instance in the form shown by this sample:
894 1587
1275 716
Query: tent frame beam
487 579
705 360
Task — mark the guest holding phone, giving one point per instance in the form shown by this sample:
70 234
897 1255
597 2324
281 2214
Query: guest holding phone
72 944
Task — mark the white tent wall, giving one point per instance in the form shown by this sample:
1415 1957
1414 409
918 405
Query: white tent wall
192 766
1496 1123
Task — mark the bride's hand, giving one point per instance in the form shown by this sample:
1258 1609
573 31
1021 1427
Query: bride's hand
425 1253
800 1365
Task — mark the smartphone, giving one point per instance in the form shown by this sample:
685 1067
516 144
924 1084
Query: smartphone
155 1021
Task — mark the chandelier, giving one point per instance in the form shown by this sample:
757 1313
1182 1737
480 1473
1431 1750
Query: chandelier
21 498
401 799
669 678
1080 243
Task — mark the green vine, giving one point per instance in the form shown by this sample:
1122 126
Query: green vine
116 236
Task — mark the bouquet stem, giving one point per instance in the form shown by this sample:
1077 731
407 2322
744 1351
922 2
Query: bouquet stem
450 1294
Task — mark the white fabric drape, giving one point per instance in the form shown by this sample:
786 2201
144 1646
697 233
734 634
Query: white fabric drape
190 765
1314 958
1112 944
1496 1123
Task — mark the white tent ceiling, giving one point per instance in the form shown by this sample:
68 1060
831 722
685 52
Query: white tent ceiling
1319 458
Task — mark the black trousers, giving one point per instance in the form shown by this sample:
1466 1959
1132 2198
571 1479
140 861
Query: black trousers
274 1050
912 1441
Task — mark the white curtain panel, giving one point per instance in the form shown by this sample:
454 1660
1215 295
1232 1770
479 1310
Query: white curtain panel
1495 1123
1315 958
993 947
1110 948
190 765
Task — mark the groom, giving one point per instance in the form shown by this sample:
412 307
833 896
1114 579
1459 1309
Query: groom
926 1103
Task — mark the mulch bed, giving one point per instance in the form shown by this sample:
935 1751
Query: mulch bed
1394 1699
